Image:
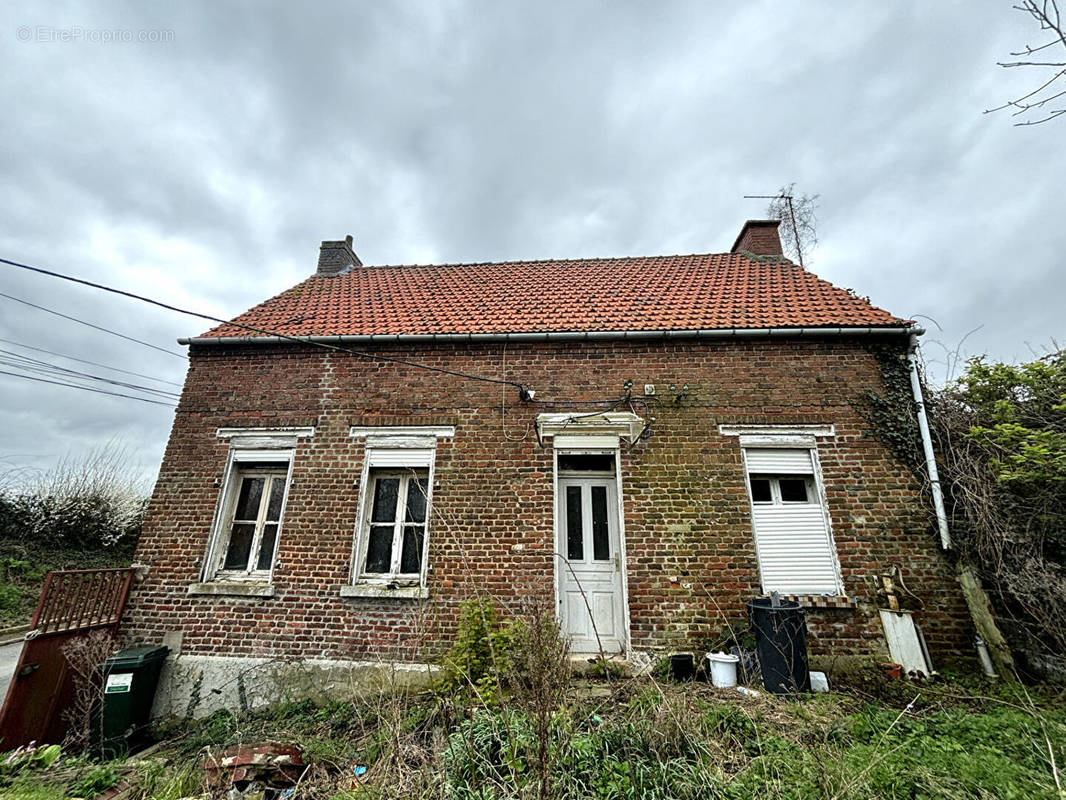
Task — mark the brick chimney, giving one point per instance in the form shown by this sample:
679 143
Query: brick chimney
336 258
759 236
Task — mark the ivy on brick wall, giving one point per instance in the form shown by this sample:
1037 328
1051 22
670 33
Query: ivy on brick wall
892 413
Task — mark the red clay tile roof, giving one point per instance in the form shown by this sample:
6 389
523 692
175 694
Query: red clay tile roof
604 294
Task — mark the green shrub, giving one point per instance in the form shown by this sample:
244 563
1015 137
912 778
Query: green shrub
480 657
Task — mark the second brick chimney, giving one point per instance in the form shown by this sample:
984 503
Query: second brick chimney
759 236
336 258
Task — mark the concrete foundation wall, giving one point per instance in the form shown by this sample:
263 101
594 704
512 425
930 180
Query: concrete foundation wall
193 687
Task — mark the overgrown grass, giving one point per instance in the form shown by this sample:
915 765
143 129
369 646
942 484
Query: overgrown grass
652 740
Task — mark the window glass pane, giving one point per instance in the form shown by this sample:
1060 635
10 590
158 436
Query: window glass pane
379 549
793 490
601 545
240 545
596 462
248 499
385 493
277 494
266 546
417 488
411 554
760 490
575 547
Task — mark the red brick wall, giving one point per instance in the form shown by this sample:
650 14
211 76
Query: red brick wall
760 237
690 551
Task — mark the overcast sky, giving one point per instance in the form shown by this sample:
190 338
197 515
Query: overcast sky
204 165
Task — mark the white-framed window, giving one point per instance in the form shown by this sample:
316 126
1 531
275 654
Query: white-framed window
251 512
392 536
395 526
793 536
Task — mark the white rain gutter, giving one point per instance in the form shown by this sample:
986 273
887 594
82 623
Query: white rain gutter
927 444
561 336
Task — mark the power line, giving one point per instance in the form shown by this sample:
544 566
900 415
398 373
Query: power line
43 367
88 389
297 340
91 325
90 363
20 359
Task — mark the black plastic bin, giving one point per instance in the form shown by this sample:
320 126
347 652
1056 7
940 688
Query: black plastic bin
781 643
130 680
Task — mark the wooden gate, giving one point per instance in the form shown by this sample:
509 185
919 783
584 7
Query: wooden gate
73 603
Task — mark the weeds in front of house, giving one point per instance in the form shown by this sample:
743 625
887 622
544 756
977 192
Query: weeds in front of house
541 733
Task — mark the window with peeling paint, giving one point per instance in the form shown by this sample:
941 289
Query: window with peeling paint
245 541
395 524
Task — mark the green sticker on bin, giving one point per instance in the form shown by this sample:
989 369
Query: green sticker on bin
118 683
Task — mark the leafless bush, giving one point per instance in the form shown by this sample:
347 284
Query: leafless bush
95 500
539 678
84 655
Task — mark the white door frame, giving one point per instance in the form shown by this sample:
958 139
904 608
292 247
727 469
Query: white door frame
592 445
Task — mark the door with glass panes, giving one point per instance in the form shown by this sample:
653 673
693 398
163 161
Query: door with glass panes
590 570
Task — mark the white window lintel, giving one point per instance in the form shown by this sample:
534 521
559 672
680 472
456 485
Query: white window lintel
622 424
381 433
245 438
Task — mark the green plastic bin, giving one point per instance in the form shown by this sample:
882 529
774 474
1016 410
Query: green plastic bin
130 680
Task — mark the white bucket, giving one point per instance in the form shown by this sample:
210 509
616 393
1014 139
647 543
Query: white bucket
723 669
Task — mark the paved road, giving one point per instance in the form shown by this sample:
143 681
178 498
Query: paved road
9 656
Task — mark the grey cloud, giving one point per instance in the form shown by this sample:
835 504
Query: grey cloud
208 168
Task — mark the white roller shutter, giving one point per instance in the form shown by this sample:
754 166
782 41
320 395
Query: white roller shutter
794 551
792 540
778 461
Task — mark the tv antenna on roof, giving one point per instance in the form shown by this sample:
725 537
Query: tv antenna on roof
798 230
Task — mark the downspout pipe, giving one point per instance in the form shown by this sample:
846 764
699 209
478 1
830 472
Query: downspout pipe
977 600
927 444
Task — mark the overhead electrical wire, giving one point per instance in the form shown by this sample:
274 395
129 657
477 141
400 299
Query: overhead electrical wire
523 392
91 325
90 363
88 389
45 368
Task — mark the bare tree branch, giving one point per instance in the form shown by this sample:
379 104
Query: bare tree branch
1047 16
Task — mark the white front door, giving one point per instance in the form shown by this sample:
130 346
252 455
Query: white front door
590 570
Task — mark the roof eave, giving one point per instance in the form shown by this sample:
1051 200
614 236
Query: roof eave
561 336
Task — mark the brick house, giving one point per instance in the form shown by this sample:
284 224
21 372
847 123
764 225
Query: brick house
643 443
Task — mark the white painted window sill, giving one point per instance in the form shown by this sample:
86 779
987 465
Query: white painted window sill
378 590
232 588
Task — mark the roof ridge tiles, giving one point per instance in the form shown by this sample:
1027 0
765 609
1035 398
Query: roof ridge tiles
593 259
